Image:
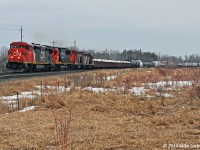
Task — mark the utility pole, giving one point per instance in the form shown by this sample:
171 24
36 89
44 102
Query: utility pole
21 30
74 44
53 42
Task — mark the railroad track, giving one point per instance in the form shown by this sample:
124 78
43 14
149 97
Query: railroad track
15 76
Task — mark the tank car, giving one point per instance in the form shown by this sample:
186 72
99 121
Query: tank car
136 63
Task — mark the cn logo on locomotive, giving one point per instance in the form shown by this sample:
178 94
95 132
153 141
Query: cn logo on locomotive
17 53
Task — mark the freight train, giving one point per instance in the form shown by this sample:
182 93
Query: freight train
33 57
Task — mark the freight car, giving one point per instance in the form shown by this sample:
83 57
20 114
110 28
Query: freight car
188 64
103 63
137 63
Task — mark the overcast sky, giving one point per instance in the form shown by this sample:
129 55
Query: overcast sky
162 26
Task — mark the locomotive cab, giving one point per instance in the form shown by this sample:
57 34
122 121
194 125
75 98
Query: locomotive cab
88 61
55 56
73 56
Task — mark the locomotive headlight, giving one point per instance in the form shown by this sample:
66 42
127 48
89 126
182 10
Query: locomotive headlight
18 57
11 56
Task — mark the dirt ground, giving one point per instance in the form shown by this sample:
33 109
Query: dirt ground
81 119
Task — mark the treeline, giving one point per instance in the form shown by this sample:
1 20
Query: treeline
143 56
127 55
194 58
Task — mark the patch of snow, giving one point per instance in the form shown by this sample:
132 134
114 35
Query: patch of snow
111 77
173 84
27 94
28 108
58 88
9 102
167 95
97 90
40 87
137 90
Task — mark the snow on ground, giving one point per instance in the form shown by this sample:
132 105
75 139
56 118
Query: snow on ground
28 108
27 94
138 91
98 90
165 95
169 85
111 78
57 88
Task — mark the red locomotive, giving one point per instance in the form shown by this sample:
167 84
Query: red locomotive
31 57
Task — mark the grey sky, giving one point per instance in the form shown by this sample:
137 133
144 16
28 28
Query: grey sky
167 26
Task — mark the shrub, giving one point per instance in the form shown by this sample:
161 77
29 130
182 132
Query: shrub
62 120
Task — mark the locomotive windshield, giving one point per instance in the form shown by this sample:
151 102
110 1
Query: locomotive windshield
14 46
18 46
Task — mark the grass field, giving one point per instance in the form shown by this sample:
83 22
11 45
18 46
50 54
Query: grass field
104 110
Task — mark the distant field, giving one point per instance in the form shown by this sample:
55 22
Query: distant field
126 109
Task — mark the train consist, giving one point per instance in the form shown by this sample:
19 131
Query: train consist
24 57
35 57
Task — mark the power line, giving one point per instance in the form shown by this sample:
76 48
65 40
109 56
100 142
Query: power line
9 24
31 33
7 29
53 42
5 41
84 45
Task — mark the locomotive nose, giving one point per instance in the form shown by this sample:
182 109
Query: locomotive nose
16 55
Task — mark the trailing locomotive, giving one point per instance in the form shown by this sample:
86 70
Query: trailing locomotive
31 57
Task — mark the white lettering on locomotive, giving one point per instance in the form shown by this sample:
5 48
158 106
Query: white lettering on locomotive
42 55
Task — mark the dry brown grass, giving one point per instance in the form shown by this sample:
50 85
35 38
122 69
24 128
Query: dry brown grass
113 120
3 107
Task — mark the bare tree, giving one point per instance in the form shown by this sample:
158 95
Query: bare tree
3 58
